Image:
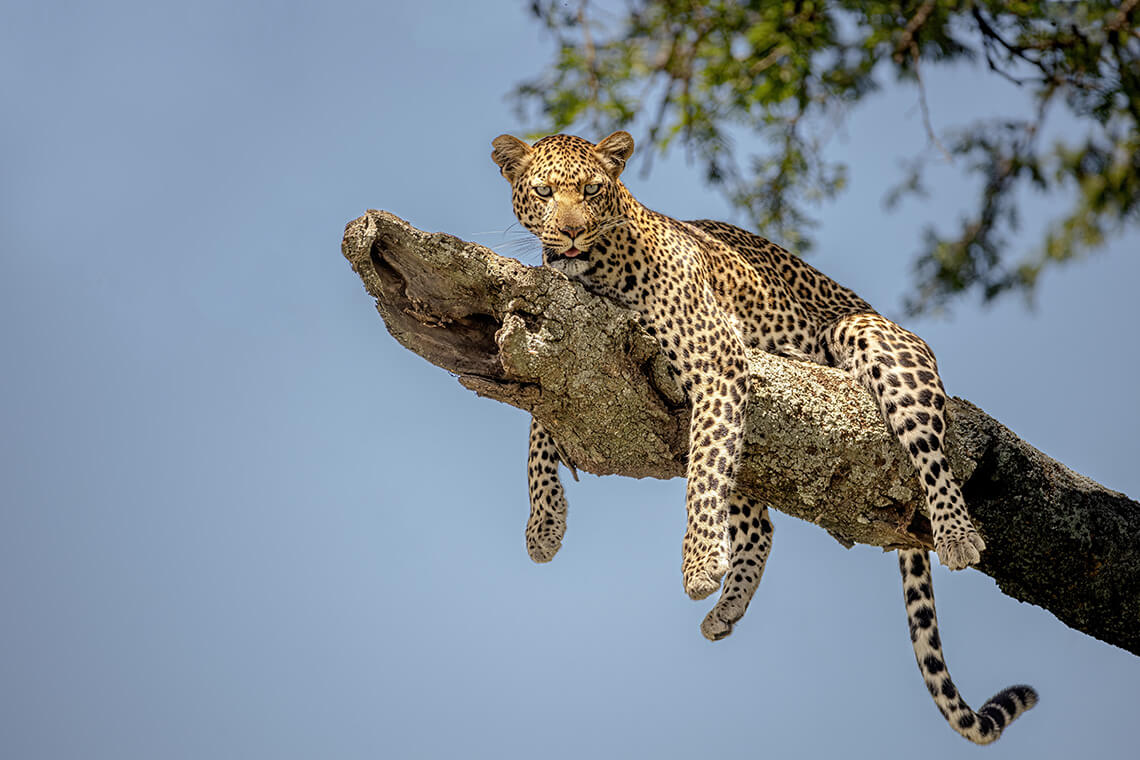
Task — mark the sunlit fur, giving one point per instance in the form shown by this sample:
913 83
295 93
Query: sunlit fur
709 292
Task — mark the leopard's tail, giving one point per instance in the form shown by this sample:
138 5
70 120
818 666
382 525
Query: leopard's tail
983 726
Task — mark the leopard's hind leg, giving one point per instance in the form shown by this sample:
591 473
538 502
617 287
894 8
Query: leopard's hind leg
750 532
900 371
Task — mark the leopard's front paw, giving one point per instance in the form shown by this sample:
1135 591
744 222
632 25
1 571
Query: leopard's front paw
544 537
702 576
960 547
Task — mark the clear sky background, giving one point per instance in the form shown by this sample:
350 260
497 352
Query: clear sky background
237 520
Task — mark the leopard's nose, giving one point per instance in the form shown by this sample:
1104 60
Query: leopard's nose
572 232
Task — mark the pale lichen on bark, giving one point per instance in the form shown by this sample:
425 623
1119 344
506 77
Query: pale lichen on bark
816 447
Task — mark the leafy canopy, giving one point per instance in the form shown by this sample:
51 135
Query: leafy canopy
789 71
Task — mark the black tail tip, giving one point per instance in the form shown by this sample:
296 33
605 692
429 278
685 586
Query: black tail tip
1007 704
1025 696
987 724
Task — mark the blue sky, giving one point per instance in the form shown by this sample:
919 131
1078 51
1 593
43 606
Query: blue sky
238 520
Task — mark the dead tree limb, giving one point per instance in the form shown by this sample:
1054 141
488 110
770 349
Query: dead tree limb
816 447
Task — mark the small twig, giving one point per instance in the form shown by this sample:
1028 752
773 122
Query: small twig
999 71
664 63
906 40
687 73
766 62
1122 17
591 54
654 128
924 105
908 43
991 36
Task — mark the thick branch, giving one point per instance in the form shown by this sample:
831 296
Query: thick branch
816 446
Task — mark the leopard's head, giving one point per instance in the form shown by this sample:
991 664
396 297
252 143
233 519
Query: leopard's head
565 190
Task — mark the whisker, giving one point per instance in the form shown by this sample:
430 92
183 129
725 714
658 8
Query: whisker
527 249
514 229
522 244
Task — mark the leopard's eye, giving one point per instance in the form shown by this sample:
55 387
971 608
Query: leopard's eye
543 191
591 189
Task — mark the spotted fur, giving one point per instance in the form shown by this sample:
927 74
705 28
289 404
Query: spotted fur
547 523
708 292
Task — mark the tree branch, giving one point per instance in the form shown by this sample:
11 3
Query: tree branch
816 447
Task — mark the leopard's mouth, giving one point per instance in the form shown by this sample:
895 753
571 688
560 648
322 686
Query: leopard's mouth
570 253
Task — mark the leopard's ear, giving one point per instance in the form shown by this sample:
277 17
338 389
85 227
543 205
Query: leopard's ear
614 151
512 155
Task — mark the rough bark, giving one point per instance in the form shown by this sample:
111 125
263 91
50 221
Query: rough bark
816 446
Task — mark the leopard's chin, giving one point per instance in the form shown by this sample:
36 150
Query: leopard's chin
571 266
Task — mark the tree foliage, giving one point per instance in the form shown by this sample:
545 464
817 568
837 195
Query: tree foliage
700 72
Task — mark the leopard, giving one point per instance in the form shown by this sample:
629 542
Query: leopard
709 292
